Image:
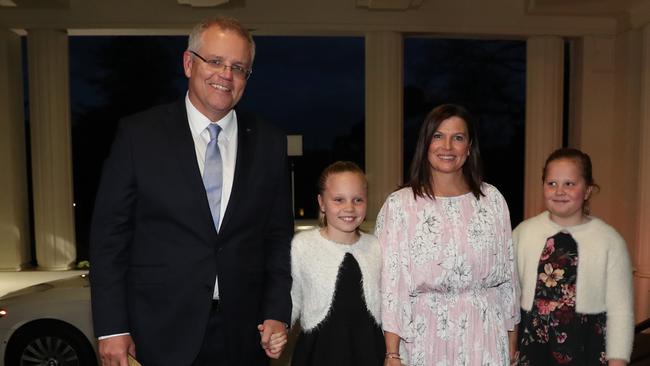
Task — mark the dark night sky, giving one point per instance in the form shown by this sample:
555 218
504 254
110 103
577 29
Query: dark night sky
319 95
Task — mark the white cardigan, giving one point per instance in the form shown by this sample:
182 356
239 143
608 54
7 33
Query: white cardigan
315 263
604 282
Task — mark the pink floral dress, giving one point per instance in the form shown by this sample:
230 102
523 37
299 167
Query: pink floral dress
552 332
449 287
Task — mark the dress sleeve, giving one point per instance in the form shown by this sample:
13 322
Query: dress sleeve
396 307
619 298
509 290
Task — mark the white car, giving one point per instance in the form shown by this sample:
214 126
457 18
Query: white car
48 324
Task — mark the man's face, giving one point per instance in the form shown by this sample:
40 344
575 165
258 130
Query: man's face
214 91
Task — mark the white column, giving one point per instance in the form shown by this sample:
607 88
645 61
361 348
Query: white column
642 250
544 92
14 210
51 148
384 116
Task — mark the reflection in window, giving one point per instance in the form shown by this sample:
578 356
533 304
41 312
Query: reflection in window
112 77
314 87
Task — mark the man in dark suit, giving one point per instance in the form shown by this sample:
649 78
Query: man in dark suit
192 224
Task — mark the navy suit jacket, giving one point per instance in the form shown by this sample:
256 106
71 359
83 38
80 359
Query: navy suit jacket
155 252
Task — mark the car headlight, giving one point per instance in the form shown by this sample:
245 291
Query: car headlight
3 313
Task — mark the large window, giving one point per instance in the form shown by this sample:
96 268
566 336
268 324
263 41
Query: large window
111 77
308 86
314 87
488 77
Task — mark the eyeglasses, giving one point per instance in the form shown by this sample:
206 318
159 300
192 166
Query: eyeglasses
219 65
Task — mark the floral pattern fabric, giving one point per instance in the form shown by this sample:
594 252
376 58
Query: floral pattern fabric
449 287
553 333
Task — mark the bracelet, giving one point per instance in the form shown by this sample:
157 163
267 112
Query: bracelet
393 355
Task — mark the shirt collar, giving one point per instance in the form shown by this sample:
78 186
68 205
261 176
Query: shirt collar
199 122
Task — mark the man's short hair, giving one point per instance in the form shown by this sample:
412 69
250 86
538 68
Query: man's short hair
224 23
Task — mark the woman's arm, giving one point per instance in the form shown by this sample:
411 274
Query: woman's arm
393 357
512 346
616 363
509 290
395 283
394 279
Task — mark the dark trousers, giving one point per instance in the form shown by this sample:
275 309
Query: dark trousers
213 351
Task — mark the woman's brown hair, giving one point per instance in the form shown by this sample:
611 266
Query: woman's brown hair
421 180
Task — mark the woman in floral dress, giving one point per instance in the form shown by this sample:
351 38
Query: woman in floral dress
576 298
449 288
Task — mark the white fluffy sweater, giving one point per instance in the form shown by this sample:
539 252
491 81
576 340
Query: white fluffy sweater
604 282
315 263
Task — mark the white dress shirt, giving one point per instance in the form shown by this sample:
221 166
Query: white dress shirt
227 141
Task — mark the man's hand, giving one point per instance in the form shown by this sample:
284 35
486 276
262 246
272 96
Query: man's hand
274 337
113 350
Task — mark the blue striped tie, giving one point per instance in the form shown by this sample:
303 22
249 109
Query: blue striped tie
213 174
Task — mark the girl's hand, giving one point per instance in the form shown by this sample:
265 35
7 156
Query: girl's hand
277 342
273 336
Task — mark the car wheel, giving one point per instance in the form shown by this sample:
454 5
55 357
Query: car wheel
49 343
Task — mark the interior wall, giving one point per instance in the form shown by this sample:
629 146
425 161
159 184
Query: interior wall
462 17
624 183
642 254
605 122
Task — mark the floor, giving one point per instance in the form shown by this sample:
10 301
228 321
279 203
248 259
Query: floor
641 351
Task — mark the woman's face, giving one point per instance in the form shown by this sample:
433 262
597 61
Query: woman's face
449 147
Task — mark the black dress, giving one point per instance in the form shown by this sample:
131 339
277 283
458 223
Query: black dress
552 332
349 335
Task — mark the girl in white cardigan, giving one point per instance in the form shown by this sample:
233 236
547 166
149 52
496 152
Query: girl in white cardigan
575 274
335 273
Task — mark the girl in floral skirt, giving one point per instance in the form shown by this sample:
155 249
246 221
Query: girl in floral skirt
575 275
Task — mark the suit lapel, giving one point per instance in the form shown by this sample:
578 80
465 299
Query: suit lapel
243 165
181 146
